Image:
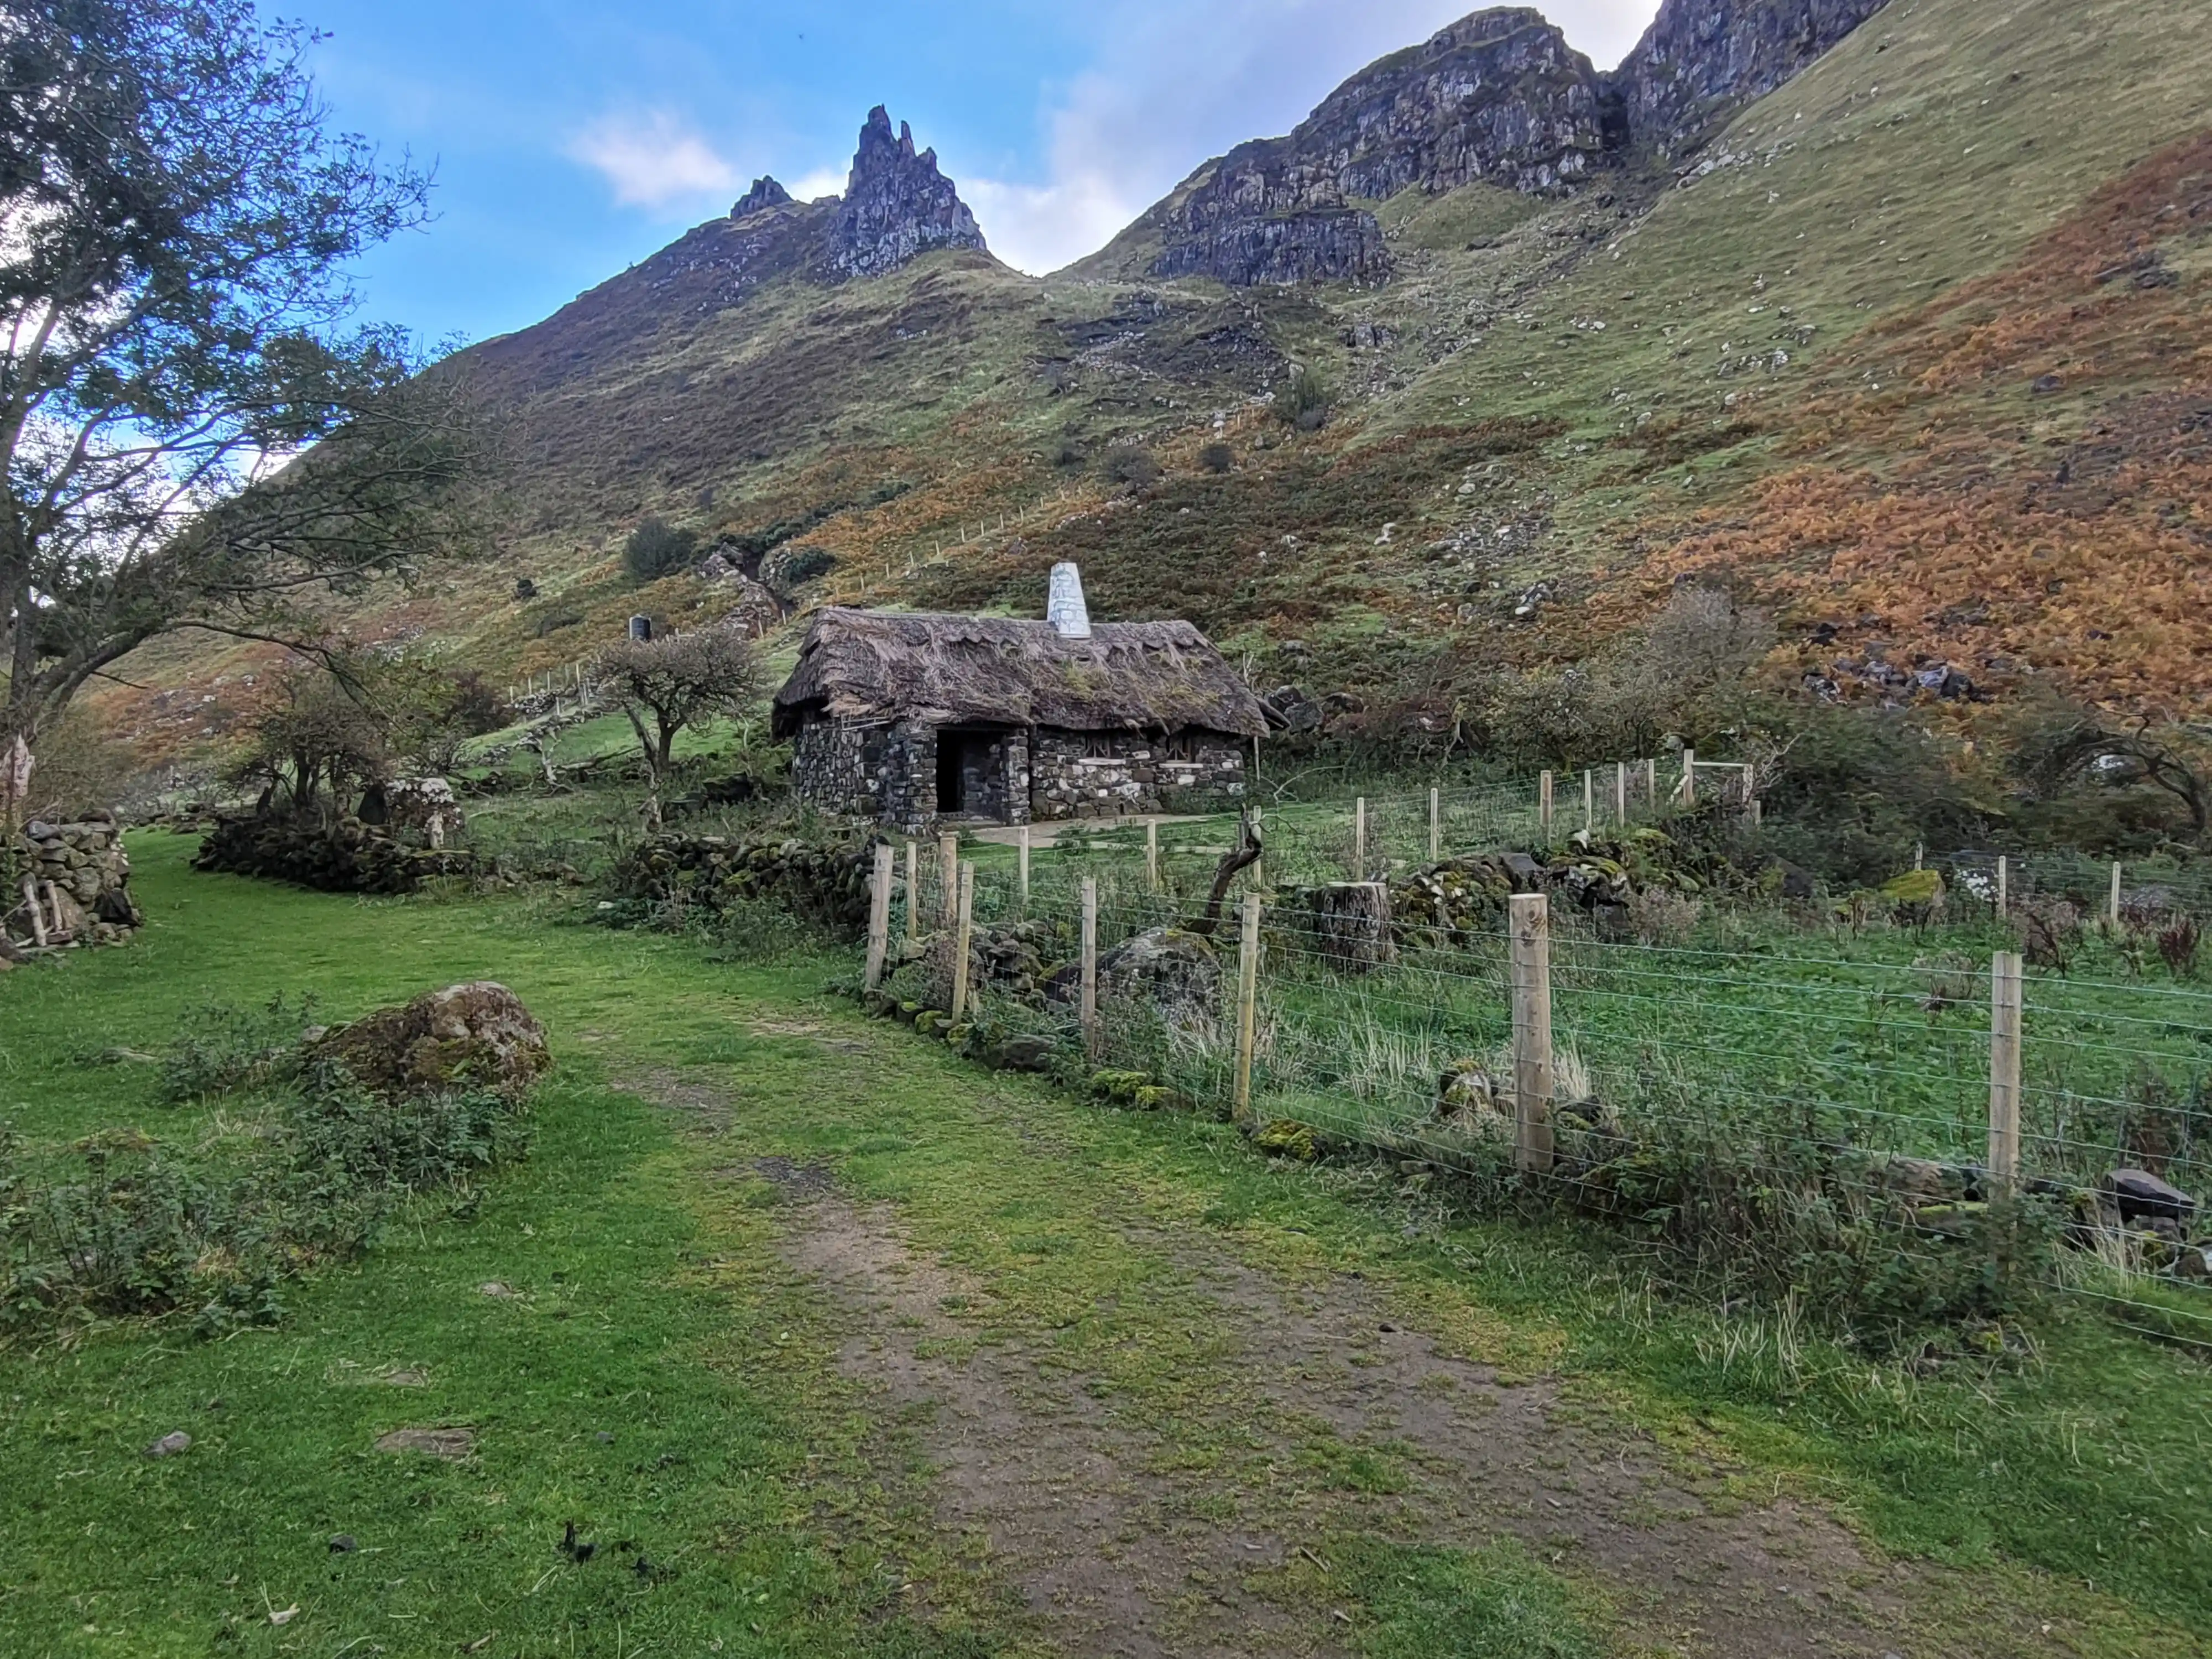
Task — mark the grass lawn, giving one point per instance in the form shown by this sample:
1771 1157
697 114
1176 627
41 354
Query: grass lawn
672 1378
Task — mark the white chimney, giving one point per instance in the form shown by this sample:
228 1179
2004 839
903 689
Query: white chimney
1064 610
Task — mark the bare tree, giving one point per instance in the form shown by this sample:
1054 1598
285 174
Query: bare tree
193 432
669 684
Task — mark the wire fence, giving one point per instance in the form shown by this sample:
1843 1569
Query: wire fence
1861 1116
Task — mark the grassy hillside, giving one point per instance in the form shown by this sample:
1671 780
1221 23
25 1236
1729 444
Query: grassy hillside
1883 339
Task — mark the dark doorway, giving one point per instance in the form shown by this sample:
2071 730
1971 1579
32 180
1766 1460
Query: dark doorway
951 797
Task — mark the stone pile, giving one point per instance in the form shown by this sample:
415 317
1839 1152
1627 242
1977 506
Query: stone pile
826 884
75 886
348 856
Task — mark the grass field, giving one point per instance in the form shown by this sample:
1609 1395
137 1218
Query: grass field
671 1376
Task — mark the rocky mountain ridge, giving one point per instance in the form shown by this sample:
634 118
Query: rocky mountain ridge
1499 99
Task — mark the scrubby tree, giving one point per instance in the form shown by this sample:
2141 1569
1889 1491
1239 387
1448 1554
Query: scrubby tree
1127 464
193 433
669 684
1217 458
657 549
1303 402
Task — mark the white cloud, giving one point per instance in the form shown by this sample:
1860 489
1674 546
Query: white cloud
1170 84
813 186
652 159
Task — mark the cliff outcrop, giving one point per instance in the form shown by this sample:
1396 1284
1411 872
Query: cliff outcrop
896 204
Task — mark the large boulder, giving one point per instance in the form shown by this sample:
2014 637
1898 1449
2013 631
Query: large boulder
473 1036
1176 972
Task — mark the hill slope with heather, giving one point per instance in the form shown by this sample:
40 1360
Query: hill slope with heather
1912 347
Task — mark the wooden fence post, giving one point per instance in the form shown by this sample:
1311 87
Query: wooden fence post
879 917
1248 1002
913 892
1436 827
1023 854
963 934
38 916
1689 777
1260 865
948 876
1089 1005
2005 1007
1359 839
1620 792
1589 803
2004 886
1532 1031
1544 804
2114 912
1153 853
1651 784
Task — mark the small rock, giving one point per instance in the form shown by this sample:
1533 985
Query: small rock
604 1437
492 1287
343 1543
2140 1195
407 1377
170 1445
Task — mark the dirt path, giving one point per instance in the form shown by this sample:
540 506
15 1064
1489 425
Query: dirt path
1110 1542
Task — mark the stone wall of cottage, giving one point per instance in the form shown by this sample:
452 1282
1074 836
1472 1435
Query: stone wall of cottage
1082 775
888 771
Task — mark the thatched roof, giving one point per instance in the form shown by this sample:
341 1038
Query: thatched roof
1003 671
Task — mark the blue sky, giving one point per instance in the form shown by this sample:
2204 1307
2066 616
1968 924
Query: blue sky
572 137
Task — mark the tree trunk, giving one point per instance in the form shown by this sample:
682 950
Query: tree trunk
1351 925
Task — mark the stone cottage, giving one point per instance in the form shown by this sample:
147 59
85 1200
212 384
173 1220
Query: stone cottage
911 718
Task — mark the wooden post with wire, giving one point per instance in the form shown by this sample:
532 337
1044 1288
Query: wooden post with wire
1089 1005
1153 853
879 917
2006 1003
948 875
2004 886
913 892
1689 777
1531 947
1651 784
962 935
1259 865
1248 1003
1620 792
1589 802
1544 804
1022 865
1359 839
2113 912
1436 827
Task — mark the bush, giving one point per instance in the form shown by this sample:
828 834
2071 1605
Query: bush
1125 463
656 549
1217 458
137 1230
790 568
1303 403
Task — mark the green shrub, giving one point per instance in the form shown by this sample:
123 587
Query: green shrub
656 549
1217 458
220 1049
1303 402
1125 463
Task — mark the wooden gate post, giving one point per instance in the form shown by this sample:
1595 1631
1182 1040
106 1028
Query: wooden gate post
948 876
879 917
1089 1005
2115 908
1532 1032
2006 1003
1436 827
1025 863
1248 1002
962 934
1544 804
913 892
